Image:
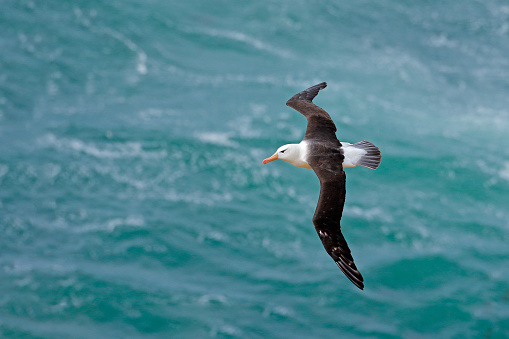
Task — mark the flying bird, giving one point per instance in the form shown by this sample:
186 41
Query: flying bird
321 151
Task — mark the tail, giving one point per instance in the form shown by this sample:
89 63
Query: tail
372 158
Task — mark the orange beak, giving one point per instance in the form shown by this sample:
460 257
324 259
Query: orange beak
272 158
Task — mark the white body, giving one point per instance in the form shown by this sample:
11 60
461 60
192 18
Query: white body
296 154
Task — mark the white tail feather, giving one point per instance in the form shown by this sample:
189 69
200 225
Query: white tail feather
372 158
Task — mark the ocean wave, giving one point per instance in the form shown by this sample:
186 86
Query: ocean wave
220 139
238 36
141 56
375 213
112 224
105 150
4 169
504 172
226 79
198 197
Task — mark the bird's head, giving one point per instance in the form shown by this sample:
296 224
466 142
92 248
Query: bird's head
287 153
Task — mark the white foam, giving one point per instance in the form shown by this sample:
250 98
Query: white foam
213 235
4 169
278 311
141 65
107 150
442 41
375 213
220 139
212 299
112 224
125 179
240 37
244 126
198 198
51 170
228 330
486 117
134 221
504 172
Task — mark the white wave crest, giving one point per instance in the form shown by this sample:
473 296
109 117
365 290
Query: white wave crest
3 170
141 65
112 224
240 37
220 139
107 150
504 172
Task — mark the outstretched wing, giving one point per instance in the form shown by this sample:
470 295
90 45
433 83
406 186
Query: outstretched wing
326 159
320 125
328 166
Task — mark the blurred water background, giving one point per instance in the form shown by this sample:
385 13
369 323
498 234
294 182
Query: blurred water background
133 202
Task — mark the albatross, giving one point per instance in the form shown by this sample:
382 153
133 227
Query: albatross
321 151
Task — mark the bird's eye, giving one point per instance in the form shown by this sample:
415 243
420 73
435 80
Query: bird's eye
283 151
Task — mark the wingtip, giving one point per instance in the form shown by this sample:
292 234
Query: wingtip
317 87
353 275
308 94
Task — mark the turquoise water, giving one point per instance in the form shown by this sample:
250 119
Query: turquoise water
133 202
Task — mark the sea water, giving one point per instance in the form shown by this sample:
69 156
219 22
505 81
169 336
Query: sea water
133 201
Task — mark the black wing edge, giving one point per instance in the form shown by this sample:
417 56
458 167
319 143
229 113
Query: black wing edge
338 249
352 273
308 94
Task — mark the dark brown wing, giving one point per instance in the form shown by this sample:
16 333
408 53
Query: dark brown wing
320 125
327 162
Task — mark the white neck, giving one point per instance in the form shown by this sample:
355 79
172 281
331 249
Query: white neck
295 154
